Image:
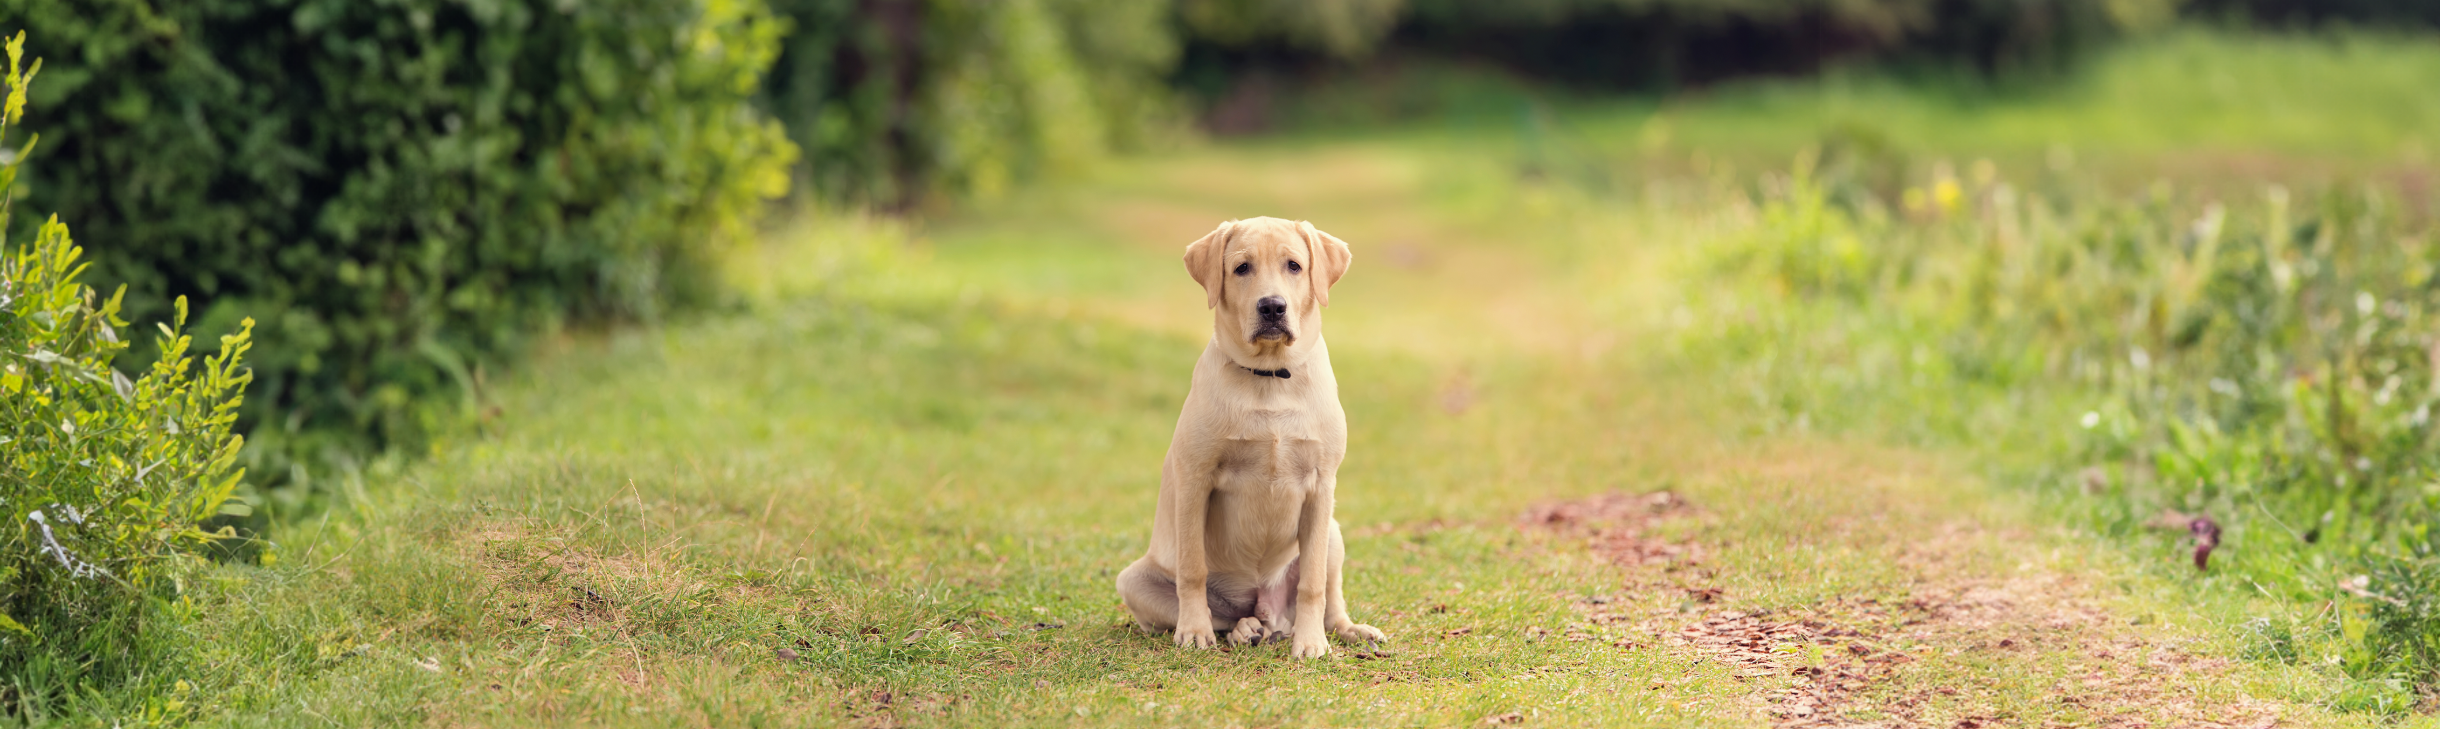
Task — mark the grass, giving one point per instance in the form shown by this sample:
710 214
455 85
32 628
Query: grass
912 454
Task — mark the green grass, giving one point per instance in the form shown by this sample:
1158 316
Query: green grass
913 454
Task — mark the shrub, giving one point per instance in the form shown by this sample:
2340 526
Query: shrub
2366 13
1658 45
898 101
404 193
1339 28
103 478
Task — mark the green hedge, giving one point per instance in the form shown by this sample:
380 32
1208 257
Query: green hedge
402 192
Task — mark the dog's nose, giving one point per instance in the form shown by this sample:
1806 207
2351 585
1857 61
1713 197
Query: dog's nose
1271 308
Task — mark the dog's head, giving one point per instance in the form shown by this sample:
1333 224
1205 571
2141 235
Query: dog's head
1266 280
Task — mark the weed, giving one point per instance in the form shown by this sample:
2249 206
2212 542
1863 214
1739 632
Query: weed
105 479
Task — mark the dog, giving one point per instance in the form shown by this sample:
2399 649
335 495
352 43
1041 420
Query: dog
1243 534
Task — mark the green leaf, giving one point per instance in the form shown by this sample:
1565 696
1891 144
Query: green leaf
9 624
236 508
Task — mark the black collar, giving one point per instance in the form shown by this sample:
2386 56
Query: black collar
1281 373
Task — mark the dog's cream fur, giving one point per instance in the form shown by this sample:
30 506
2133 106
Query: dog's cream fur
1253 468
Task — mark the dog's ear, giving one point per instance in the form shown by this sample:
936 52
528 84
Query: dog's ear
1330 259
1203 261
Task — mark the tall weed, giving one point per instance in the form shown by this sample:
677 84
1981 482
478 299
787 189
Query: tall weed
104 479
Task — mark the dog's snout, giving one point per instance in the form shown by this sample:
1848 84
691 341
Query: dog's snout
1272 308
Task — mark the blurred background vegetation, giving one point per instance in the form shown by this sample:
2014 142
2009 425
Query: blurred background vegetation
405 196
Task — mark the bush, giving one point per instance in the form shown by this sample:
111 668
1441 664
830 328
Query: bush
103 478
1665 43
896 102
1337 28
2366 13
899 101
404 193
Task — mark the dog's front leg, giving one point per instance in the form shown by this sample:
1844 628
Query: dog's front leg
1311 640
1192 506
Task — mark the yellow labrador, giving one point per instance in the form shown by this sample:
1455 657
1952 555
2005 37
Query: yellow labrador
1247 489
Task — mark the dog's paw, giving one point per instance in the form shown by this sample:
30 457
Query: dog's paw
1249 632
1360 633
1196 637
1310 644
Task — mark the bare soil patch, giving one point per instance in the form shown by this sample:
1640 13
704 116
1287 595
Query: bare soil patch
542 579
1618 526
1940 652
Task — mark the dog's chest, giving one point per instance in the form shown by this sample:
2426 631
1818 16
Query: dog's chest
1271 450
1269 462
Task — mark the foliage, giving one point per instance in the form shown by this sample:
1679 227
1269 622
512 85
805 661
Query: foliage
104 479
404 193
2367 13
2264 361
901 101
1336 28
1663 44
894 102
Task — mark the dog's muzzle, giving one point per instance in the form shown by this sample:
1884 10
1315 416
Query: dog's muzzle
1272 308
1273 324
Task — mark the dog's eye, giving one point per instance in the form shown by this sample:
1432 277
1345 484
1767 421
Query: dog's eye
1245 268
1294 267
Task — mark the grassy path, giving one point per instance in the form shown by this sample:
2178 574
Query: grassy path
891 488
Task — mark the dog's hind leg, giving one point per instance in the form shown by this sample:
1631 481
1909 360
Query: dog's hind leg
1231 598
1152 596
1249 631
1275 603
